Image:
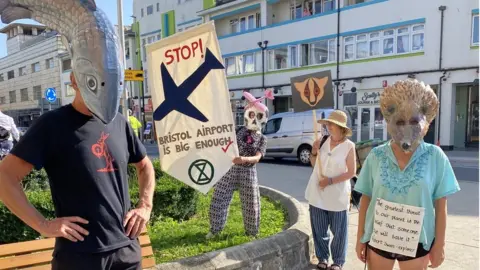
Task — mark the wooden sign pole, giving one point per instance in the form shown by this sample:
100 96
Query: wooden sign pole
315 130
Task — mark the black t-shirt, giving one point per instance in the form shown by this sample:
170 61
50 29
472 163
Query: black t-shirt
86 162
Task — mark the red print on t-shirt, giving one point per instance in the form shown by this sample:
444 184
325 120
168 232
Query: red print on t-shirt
100 150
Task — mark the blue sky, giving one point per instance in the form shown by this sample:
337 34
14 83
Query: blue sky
108 6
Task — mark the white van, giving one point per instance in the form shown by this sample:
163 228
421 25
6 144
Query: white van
291 135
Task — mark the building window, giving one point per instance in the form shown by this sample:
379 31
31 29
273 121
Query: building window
401 40
66 65
144 43
37 92
150 10
475 30
12 96
304 8
3 100
293 56
278 59
36 67
374 44
245 23
141 12
248 61
230 66
69 91
403 44
158 7
159 37
49 63
322 51
417 37
11 74
22 71
354 2
1 77
24 94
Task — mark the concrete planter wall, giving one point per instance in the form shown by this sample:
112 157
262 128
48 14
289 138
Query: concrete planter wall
289 250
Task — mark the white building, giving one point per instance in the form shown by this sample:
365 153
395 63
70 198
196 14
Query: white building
29 68
379 42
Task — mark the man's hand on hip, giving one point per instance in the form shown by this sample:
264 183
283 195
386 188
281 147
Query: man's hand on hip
135 220
64 227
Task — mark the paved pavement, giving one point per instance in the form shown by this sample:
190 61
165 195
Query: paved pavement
462 248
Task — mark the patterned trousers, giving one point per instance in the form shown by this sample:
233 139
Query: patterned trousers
245 180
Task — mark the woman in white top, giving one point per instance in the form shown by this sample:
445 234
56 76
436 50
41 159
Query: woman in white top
328 191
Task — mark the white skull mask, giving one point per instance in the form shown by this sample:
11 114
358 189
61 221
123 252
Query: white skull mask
255 119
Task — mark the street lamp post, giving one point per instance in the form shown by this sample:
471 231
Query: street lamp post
263 47
121 33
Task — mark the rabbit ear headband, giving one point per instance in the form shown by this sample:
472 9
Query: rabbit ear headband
253 102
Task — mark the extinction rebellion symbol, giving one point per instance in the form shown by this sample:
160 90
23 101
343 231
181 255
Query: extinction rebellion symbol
201 172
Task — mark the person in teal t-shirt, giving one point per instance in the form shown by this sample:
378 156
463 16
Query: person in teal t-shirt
409 173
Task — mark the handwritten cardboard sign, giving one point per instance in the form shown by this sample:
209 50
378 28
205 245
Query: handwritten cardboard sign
397 227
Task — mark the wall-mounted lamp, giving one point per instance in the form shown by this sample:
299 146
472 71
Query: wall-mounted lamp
354 89
411 76
358 80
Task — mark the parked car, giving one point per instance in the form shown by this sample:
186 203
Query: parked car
291 135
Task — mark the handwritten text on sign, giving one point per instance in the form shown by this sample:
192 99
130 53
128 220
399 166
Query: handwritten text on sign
397 227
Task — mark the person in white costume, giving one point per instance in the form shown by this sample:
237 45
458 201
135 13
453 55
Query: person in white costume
328 191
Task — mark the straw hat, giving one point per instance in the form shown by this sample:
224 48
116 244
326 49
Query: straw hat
338 118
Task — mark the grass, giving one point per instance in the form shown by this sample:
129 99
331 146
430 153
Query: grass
173 240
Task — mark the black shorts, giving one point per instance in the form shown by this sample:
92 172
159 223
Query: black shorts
401 258
125 258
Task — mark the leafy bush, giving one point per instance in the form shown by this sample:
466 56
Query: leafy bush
12 229
132 173
36 180
172 198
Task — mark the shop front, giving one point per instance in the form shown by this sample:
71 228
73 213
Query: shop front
466 131
363 108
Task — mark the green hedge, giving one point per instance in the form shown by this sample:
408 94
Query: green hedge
12 229
172 199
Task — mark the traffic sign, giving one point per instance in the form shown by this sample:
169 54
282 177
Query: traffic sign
134 75
51 95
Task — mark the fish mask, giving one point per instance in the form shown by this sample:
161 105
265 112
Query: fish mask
256 113
92 42
408 106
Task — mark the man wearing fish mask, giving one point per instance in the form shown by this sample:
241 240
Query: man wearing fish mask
84 147
409 174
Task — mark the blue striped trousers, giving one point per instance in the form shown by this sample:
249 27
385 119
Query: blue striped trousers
321 220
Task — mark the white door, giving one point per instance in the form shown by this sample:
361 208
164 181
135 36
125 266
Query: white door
371 124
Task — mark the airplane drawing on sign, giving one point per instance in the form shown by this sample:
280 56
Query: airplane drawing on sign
176 97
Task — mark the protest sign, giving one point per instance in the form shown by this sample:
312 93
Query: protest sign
192 113
397 227
311 92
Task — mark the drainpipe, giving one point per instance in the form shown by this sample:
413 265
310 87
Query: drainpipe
442 9
337 83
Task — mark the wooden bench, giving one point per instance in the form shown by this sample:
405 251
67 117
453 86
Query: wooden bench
37 254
